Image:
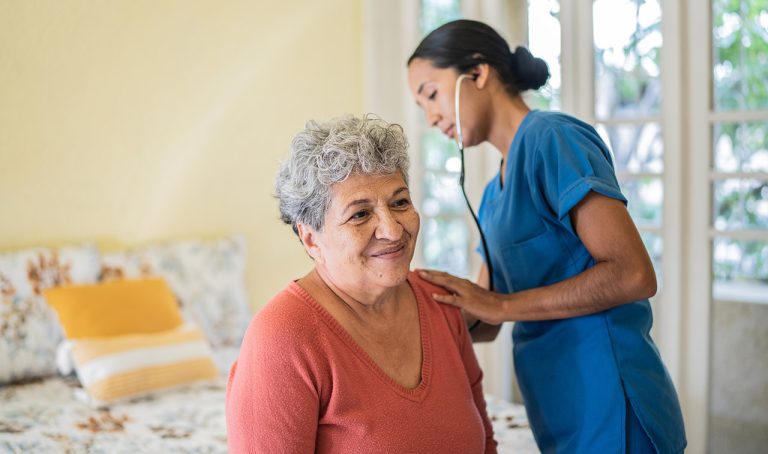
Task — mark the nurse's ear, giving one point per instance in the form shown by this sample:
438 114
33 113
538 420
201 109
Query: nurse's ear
480 74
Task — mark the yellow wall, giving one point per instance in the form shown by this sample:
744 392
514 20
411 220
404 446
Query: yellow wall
134 121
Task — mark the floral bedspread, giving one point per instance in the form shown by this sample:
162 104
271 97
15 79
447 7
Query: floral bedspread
44 416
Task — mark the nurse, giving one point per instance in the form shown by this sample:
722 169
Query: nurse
569 265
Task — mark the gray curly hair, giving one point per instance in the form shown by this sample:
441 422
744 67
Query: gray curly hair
324 154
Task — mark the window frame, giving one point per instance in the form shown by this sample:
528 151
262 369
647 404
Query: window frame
683 307
578 98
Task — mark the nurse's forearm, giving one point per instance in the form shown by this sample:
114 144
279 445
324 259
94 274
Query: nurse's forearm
604 286
623 272
485 332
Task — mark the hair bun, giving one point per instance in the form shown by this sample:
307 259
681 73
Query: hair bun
459 43
531 72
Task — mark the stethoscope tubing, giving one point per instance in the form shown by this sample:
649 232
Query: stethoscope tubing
460 143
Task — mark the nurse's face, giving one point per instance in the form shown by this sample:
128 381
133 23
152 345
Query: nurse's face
434 90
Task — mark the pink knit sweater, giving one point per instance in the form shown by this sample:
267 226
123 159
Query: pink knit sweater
302 384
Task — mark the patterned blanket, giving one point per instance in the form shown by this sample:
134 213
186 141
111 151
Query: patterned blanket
44 416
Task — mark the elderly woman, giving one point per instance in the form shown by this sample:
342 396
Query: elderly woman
356 356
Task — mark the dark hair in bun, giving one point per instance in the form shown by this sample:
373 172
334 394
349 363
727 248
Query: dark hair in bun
464 44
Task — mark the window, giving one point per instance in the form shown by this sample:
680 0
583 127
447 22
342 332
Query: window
544 42
445 237
739 170
738 230
678 90
702 209
627 107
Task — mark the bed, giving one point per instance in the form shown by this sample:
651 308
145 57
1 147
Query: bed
44 416
42 411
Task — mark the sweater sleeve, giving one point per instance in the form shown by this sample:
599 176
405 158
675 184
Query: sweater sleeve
475 375
471 367
273 400
463 341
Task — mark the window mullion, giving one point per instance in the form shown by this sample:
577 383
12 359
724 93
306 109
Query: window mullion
633 176
670 316
569 88
738 116
697 276
585 56
714 175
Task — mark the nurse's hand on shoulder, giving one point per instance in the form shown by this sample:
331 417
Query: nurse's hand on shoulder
476 301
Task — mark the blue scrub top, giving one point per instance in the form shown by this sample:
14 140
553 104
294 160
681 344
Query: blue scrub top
576 375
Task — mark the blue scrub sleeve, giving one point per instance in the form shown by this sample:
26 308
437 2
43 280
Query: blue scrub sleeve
570 162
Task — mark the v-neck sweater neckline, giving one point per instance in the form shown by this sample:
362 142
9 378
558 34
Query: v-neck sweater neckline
416 394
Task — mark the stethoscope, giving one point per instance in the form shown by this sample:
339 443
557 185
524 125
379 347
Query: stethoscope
460 143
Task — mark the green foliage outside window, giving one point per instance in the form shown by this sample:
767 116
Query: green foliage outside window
740 33
740 44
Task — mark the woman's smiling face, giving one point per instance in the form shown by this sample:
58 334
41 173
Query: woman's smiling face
369 234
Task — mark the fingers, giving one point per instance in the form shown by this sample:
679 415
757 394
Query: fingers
440 278
431 274
458 301
453 300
